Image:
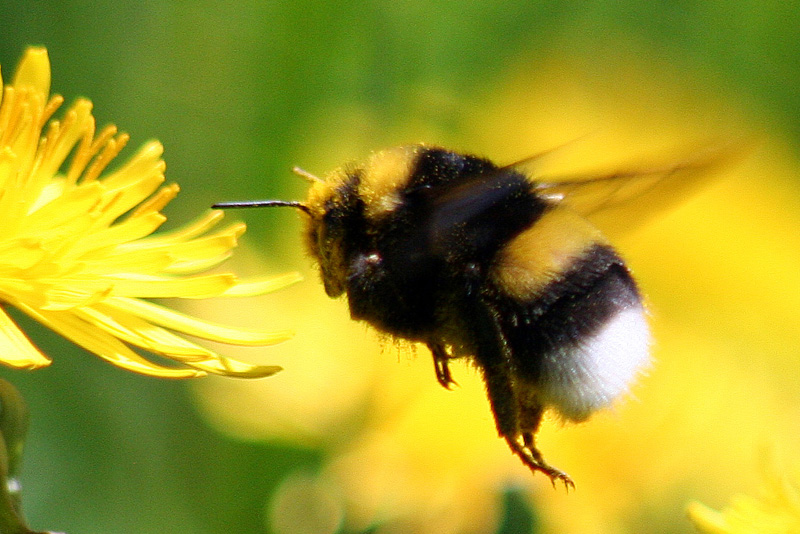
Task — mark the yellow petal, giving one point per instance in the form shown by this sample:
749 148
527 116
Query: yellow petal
228 367
200 254
16 349
67 297
196 327
209 250
34 70
261 286
129 230
124 197
145 262
56 206
63 135
17 254
195 266
141 333
161 198
193 229
146 162
136 331
194 287
109 151
707 520
103 344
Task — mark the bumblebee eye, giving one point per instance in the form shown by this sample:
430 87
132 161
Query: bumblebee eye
331 231
328 239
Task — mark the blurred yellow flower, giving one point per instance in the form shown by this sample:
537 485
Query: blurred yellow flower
776 511
76 252
720 274
401 449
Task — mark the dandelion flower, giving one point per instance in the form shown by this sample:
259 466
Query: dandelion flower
776 511
76 252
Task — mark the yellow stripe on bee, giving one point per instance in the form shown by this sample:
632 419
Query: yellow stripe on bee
381 178
543 252
384 175
321 192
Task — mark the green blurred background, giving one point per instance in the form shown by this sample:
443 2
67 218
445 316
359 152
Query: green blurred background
238 93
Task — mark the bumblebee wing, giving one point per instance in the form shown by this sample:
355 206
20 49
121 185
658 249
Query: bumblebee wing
480 211
620 201
492 205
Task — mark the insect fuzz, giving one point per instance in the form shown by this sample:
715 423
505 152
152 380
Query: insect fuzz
479 261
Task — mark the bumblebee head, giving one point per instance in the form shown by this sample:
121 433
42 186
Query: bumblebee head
325 232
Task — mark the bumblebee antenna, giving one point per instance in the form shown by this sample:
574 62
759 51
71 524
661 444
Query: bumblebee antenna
305 175
261 204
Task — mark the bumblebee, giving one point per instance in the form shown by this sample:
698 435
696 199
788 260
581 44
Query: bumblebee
484 262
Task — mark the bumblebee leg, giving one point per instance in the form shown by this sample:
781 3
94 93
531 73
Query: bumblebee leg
516 422
507 417
530 418
531 457
440 358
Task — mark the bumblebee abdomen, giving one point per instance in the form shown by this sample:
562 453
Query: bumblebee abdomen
581 340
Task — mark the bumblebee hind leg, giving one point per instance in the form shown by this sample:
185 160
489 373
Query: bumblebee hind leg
517 417
532 458
440 362
530 418
518 425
